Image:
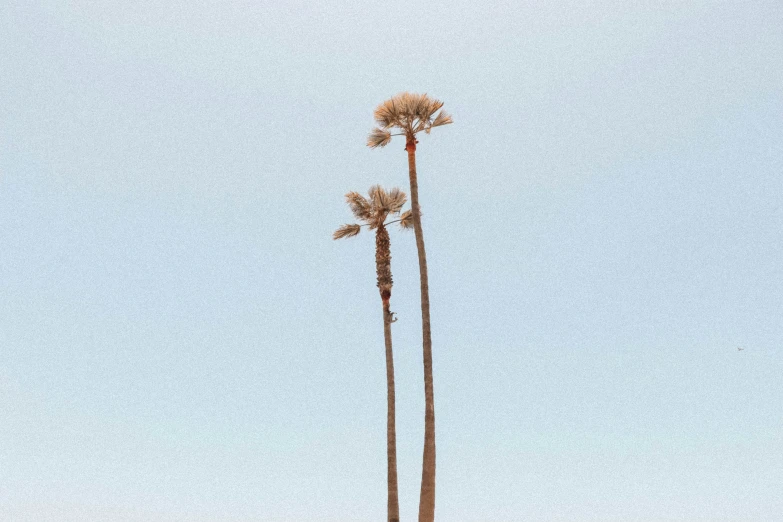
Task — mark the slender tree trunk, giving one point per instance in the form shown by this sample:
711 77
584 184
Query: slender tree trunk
391 432
383 269
427 495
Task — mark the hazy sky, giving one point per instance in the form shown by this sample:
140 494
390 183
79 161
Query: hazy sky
180 338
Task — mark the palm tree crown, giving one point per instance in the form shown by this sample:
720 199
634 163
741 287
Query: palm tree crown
374 210
409 112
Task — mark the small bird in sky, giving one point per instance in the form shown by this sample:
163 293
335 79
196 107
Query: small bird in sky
739 349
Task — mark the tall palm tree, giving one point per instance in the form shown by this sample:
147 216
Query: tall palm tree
411 114
373 212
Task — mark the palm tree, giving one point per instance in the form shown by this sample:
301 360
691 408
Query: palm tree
411 114
374 212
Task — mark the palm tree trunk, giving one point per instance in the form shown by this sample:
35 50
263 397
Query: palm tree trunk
391 432
427 495
383 270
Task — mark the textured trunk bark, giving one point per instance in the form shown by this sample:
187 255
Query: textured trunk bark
391 432
383 271
427 495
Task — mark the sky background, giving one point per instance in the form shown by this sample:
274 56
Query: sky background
180 338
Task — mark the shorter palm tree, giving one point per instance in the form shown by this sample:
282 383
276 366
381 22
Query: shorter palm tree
374 212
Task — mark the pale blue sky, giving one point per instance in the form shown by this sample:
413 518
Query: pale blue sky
180 339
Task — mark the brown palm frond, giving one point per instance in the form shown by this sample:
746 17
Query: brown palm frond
383 115
385 203
347 231
427 107
414 104
434 106
361 208
378 138
387 114
421 107
406 219
397 199
380 200
396 111
443 118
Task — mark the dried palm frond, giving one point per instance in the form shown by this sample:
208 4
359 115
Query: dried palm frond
428 107
385 203
423 107
387 114
443 118
434 106
412 104
420 106
383 115
397 199
380 201
378 138
360 207
347 231
406 219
